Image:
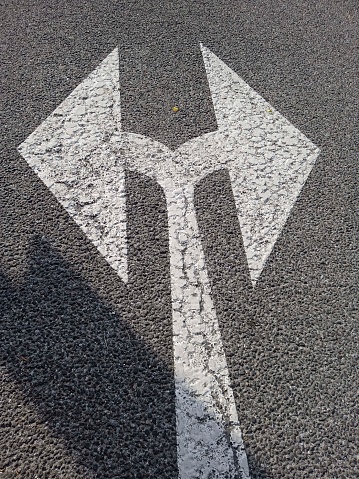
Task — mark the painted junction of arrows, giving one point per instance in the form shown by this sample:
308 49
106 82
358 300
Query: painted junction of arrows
81 154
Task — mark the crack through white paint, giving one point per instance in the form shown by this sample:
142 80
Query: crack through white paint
209 436
70 153
81 154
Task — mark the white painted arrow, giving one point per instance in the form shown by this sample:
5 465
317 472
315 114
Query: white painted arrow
81 153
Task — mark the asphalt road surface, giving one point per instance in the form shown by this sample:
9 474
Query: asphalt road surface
183 304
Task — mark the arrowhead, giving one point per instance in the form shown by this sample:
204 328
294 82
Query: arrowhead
69 151
268 159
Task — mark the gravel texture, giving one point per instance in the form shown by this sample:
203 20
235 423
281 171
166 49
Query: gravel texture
88 376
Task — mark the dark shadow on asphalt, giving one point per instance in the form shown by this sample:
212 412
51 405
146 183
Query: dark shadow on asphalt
92 378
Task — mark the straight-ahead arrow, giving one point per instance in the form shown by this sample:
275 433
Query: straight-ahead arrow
81 154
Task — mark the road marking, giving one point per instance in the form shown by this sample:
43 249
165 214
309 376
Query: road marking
81 154
69 151
268 159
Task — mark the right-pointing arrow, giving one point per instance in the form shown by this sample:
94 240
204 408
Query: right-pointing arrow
268 158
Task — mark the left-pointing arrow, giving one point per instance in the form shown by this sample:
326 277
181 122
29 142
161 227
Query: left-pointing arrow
69 152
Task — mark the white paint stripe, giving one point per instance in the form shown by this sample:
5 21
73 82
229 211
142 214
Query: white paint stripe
209 437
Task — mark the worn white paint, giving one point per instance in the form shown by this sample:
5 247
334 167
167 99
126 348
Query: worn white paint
209 436
70 153
268 160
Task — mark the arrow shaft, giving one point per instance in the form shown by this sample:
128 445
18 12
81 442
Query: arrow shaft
208 432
